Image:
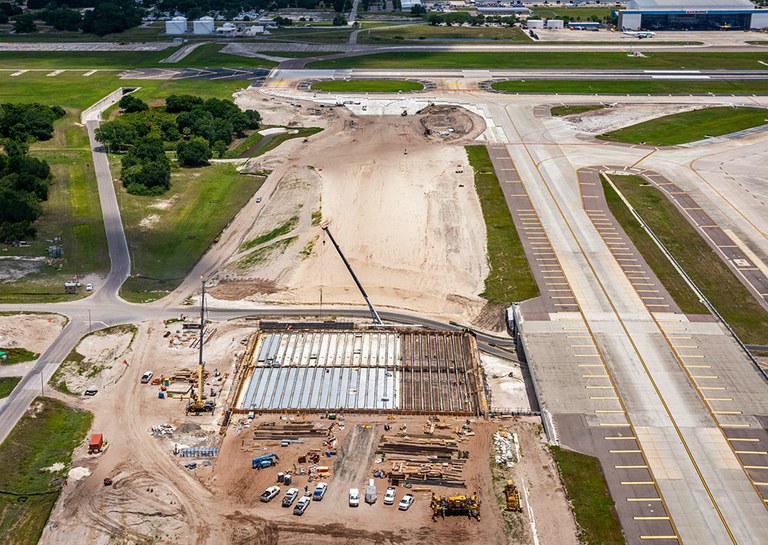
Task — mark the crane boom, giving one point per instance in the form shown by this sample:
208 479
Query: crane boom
374 314
199 399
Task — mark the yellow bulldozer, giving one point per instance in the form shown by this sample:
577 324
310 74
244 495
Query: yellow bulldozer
513 497
443 506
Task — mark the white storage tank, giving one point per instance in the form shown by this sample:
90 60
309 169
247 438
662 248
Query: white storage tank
203 26
555 24
535 23
177 25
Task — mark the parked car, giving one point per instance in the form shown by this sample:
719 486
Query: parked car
354 497
301 505
270 493
406 502
89 287
290 497
389 496
319 491
146 377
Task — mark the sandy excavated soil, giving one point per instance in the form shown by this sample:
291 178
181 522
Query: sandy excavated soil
155 499
102 365
410 224
622 115
35 332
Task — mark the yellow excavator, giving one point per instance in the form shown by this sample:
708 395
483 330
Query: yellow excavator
468 506
196 405
513 497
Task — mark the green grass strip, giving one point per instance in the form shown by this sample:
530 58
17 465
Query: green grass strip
510 279
546 59
624 87
558 111
18 355
713 277
593 506
7 384
367 86
283 229
35 443
684 127
662 267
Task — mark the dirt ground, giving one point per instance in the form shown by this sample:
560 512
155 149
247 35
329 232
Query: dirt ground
400 203
154 498
622 115
35 332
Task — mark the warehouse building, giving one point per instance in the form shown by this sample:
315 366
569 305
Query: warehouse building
692 15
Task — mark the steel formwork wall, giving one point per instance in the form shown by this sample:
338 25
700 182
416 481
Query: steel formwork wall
361 371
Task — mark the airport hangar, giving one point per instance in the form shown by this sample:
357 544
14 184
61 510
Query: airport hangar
692 15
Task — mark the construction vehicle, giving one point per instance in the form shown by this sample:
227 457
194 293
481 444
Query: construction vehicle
196 404
268 460
374 314
513 497
443 506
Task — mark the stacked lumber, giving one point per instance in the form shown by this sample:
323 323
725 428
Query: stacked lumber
188 375
424 459
289 430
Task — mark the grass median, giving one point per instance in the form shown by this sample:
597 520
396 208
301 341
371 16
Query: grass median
700 262
587 490
18 355
510 279
559 111
46 435
424 32
367 86
7 384
633 87
554 60
684 127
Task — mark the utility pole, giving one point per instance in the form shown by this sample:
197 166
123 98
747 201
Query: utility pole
90 330
42 384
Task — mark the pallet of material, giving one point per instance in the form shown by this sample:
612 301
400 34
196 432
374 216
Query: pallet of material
289 431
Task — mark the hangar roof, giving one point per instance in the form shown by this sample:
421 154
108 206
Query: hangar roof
688 5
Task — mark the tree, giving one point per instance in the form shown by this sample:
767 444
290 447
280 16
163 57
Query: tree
175 104
339 20
116 135
417 10
25 24
62 18
108 18
193 153
146 150
130 104
221 148
152 178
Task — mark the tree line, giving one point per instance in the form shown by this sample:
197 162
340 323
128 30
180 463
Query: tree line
103 16
192 127
24 180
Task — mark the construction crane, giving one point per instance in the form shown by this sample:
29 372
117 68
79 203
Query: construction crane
374 314
196 405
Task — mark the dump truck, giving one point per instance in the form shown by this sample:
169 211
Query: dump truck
513 497
268 460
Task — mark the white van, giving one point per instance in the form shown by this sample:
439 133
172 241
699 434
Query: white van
146 377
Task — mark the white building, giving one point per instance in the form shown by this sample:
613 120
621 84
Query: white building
692 15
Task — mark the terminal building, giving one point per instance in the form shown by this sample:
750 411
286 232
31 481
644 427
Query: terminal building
692 15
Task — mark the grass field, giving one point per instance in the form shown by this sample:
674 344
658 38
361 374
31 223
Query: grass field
510 279
690 126
559 111
587 490
209 56
683 295
428 32
168 234
18 355
7 384
700 262
537 59
367 86
36 442
626 87
71 211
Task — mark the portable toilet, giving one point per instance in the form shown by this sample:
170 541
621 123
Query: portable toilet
177 25
205 25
